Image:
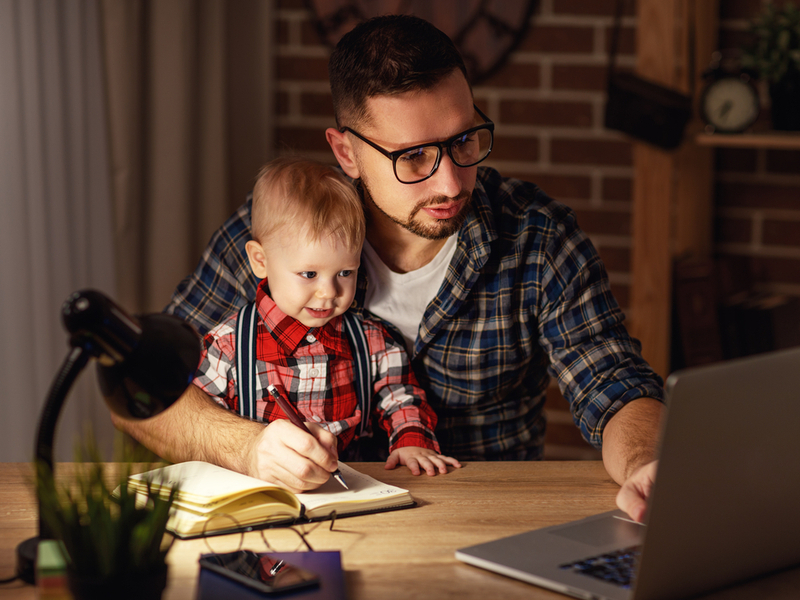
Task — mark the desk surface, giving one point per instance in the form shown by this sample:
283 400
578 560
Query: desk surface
406 553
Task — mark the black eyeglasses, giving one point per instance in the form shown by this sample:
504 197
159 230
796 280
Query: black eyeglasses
418 163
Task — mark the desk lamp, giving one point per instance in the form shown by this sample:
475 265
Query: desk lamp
144 365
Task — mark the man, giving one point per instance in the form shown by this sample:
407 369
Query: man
491 284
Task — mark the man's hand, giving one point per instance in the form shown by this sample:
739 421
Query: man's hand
286 455
418 459
632 496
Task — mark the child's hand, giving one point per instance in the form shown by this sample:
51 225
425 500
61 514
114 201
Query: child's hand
416 458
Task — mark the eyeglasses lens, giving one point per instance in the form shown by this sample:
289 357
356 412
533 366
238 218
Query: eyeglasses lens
465 151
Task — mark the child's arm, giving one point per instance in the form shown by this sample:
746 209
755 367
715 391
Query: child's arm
418 459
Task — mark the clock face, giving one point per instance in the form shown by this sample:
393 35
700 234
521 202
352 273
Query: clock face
730 105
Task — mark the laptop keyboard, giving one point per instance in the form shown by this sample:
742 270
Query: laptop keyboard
616 567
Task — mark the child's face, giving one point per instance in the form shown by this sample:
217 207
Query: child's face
312 281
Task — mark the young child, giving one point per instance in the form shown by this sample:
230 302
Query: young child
308 227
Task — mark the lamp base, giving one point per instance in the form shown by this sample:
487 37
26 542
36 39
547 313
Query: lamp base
26 559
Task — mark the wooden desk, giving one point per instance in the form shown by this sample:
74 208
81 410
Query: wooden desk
403 554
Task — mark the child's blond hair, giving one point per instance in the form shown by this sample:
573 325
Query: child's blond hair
312 198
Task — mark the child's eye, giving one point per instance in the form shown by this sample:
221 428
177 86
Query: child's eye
345 273
308 274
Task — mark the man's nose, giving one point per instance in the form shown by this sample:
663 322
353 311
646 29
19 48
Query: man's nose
446 180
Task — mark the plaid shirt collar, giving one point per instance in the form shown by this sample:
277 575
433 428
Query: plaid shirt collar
280 335
474 247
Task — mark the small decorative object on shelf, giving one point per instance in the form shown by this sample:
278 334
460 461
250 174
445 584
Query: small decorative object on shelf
775 55
729 103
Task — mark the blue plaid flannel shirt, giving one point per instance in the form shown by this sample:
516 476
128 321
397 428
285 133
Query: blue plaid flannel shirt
526 298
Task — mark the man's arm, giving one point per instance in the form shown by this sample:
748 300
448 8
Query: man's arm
196 428
630 441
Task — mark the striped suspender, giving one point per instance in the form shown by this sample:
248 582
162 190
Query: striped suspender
246 360
362 379
247 373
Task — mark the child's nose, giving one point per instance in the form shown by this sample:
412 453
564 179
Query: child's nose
326 289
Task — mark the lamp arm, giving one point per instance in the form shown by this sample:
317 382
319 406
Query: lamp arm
72 366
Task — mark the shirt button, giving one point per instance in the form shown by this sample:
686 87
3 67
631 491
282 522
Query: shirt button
310 338
313 372
316 419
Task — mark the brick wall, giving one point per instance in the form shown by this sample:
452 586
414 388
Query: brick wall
547 102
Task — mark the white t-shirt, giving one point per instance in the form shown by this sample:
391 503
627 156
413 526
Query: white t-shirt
401 298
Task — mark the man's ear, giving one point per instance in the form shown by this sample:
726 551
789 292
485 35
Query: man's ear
257 258
343 151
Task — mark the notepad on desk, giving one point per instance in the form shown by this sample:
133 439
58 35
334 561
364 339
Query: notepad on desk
208 495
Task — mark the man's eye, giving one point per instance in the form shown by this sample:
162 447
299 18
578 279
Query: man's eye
308 274
463 140
416 155
345 273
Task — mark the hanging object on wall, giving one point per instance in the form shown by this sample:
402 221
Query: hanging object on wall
642 109
484 32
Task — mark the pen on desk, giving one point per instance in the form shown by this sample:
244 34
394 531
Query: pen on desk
292 415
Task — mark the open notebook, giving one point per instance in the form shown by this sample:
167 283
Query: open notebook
210 495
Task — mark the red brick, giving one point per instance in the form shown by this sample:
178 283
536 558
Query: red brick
736 160
784 161
733 231
309 34
554 114
515 75
777 270
299 140
781 233
282 103
516 148
601 8
563 187
627 40
579 77
318 105
604 222
295 68
291 4
622 293
616 259
617 189
758 195
591 152
281 32
559 39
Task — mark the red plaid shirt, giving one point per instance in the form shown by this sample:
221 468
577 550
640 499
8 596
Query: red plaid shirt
313 367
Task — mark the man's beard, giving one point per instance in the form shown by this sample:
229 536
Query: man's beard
438 230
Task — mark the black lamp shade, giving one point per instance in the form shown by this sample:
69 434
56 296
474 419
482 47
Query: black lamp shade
156 372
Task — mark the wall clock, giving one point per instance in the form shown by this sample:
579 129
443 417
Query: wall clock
484 31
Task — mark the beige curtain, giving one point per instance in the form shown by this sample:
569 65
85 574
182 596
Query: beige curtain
190 96
55 212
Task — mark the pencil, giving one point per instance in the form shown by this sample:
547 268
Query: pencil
292 415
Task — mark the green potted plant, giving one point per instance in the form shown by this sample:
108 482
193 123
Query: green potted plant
774 55
114 544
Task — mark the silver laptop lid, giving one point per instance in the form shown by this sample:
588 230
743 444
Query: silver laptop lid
729 473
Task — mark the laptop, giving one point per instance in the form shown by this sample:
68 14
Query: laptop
724 507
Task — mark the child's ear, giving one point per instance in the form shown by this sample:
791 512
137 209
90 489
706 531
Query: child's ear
343 151
257 258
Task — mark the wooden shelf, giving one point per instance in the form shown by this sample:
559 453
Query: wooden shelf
778 140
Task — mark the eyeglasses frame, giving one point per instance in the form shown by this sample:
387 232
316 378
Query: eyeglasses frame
445 145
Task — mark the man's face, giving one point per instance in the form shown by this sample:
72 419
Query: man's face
311 280
434 208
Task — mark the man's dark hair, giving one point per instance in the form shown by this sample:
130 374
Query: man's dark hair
388 55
